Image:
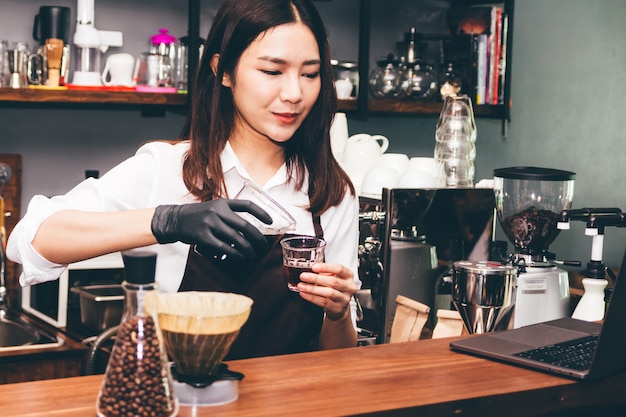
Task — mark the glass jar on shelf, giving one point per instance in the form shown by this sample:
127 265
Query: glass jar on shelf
420 78
387 78
421 82
347 71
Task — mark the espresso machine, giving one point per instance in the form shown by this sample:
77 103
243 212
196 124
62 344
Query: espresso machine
405 244
529 201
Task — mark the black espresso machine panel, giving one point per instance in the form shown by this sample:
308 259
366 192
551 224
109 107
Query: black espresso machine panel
405 244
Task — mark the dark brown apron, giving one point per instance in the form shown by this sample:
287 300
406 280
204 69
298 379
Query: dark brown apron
280 321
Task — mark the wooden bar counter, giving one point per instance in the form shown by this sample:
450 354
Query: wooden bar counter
423 378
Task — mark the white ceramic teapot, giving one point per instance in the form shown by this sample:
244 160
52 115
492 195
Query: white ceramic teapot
362 152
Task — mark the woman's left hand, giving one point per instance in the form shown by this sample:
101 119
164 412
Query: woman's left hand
330 286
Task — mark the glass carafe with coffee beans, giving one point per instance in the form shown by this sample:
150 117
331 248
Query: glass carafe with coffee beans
529 201
137 380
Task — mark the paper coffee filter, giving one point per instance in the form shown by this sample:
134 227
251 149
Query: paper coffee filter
199 328
203 313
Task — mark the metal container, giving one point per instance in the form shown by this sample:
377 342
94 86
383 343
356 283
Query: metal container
101 306
484 294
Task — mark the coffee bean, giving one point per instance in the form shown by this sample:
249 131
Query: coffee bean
133 384
531 230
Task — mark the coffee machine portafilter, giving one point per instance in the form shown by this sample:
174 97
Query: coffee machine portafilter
405 241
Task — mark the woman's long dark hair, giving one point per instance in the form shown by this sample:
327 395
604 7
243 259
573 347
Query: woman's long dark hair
238 23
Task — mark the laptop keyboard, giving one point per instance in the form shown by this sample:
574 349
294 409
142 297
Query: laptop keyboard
573 354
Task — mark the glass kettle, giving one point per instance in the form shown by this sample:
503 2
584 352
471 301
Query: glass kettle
386 80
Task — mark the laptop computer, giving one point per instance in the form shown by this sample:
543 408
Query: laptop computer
529 346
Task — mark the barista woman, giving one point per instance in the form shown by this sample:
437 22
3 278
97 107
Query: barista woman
261 111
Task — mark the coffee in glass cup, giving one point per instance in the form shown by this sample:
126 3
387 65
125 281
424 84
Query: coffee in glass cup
299 255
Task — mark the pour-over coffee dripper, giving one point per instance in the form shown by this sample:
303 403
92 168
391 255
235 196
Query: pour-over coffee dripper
198 330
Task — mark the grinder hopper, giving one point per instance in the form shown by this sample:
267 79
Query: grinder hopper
528 202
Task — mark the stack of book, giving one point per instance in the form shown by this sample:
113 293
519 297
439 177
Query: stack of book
477 49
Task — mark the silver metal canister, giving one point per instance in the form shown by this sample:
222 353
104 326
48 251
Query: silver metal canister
484 294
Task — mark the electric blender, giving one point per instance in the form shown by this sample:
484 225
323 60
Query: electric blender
90 44
529 201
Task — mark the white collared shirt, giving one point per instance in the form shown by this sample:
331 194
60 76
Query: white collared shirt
153 176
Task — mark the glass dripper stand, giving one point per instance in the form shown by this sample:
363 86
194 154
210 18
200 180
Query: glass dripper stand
198 330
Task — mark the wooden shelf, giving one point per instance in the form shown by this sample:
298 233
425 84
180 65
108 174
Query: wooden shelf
33 95
385 106
346 105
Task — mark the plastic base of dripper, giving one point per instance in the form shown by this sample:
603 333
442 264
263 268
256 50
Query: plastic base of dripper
218 393
222 389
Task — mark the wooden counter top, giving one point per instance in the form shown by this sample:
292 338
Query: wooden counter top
423 378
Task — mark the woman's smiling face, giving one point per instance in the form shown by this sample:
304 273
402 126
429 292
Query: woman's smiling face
275 83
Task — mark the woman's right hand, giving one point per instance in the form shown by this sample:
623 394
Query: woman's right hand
213 226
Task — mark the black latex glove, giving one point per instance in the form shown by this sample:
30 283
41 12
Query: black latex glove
213 226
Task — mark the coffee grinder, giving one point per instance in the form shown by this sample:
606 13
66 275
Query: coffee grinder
529 201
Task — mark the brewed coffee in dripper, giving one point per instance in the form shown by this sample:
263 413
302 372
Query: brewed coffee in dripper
199 328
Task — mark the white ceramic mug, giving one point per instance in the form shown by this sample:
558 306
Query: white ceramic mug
118 70
416 179
419 163
398 161
376 179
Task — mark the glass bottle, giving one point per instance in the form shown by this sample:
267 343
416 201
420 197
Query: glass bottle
450 84
138 380
420 81
443 284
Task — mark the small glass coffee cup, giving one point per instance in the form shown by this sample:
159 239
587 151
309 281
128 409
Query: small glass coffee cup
299 255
